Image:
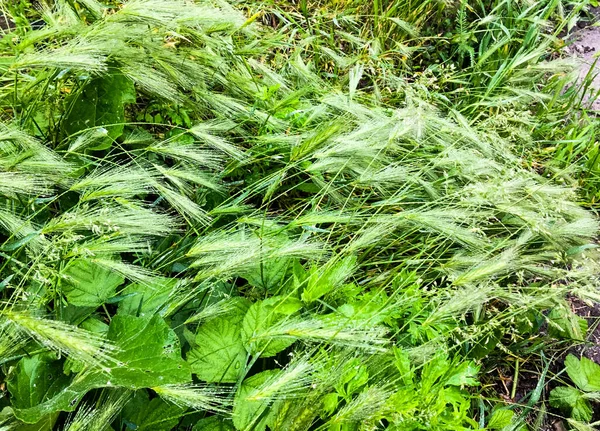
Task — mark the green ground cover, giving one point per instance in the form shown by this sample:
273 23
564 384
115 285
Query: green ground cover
328 215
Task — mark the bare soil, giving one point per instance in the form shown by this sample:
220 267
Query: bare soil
585 46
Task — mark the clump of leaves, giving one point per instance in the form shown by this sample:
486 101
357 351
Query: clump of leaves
577 401
195 236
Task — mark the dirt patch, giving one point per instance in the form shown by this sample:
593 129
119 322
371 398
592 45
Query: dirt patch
5 23
585 46
590 349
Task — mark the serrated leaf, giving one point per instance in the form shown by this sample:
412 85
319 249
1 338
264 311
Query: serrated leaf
269 275
465 374
147 299
571 400
150 354
255 328
249 414
324 280
500 418
402 363
219 354
143 414
89 284
584 372
564 323
433 370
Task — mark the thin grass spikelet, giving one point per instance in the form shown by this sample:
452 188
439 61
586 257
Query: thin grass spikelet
332 331
81 345
199 397
291 382
99 417
367 405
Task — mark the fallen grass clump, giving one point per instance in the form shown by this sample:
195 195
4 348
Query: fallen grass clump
203 227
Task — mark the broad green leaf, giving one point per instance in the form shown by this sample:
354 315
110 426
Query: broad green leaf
143 414
332 275
250 414
92 324
269 276
564 323
147 299
261 316
500 418
219 354
213 424
65 400
35 380
572 401
402 363
433 370
465 374
101 104
150 354
585 373
7 416
88 284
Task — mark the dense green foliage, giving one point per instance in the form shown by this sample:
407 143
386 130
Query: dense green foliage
257 216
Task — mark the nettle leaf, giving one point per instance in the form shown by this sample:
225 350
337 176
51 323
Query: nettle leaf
219 354
147 299
572 401
260 317
35 380
101 104
585 373
150 354
143 414
249 413
89 284
213 423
